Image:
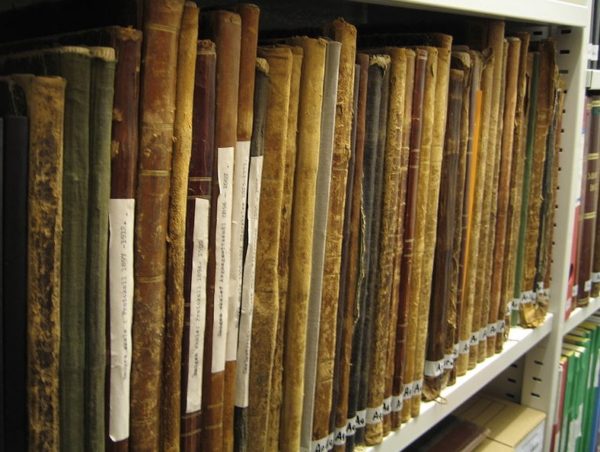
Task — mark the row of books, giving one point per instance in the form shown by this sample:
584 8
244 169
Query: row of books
577 418
288 246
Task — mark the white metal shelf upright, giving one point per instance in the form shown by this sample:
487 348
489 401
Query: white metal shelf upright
568 23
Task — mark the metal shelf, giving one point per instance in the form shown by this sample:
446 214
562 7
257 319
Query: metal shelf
580 314
520 341
571 12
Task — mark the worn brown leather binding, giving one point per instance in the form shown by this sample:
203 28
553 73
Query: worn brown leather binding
389 395
161 32
435 167
380 297
199 187
250 15
309 121
442 269
266 297
402 376
514 205
413 375
345 33
507 141
224 28
45 101
276 394
182 135
345 410
261 95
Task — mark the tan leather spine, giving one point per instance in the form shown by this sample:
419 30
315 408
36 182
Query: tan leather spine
157 105
512 66
182 147
309 121
276 395
411 373
266 292
435 172
345 33
45 101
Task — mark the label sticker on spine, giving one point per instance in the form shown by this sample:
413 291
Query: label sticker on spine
197 305
330 441
596 277
587 286
398 401
492 330
456 350
351 427
434 368
575 290
463 347
528 296
448 362
500 326
387 406
319 445
417 388
238 224
339 436
514 304
121 215
243 355
375 415
407 391
361 418
222 258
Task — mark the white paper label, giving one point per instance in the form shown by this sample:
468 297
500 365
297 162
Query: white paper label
596 277
456 351
500 324
397 402
351 427
474 339
407 391
592 52
463 347
375 415
197 305
528 296
514 304
434 368
387 406
222 258
121 218
448 362
247 308
482 335
361 418
417 388
587 286
339 437
238 224
575 290
492 330
319 445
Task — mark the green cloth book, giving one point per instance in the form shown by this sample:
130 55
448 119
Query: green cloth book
569 398
576 418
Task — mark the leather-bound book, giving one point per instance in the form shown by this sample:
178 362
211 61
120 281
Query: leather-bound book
303 214
391 162
276 389
320 234
379 130
514 205
505 167
338 429
402 388
495 43
412 375
250 17
13 202
595 292
101 107
242 389
74 64
433 190
345 410
442 268
162 20
266 292
345 34
197 243
225 29
532 310
46 113
180 163
395 315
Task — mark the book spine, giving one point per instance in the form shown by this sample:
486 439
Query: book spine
101 106
276 394
2 309
250 16
266 292
182 142
317 312
440 291
123 166
346 409
261 91
198 213
225 29
157 107
46 109
345 34
506 156
402 388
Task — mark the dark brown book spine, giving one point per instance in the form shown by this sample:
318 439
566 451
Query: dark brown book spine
161 35
225 28
401 389
197 244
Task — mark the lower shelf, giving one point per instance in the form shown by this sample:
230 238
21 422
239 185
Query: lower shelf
519 342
